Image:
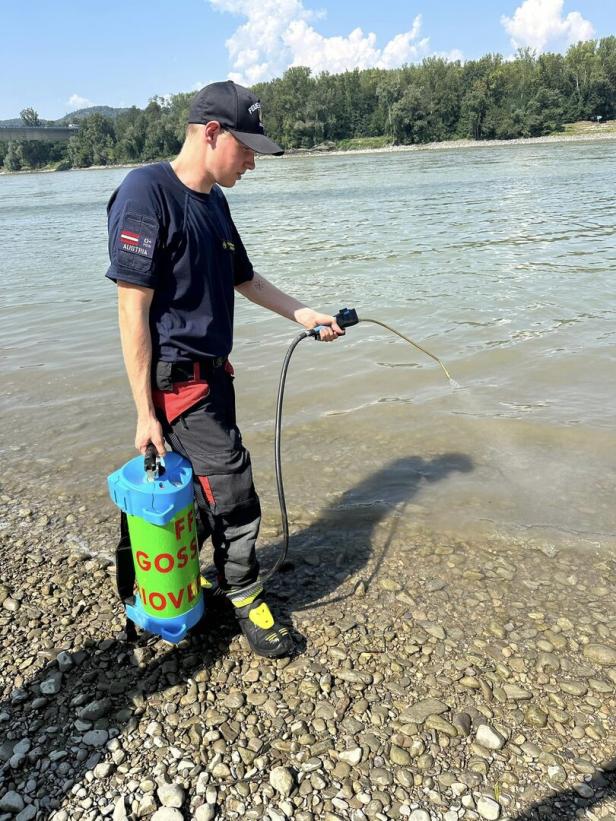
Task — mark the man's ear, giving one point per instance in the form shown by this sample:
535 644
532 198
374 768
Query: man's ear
212 132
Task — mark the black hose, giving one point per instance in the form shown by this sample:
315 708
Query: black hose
277 458
345 318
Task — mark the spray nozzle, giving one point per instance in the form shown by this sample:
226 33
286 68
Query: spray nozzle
345 318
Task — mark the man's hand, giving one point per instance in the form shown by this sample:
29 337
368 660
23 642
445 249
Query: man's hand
149 430
310 319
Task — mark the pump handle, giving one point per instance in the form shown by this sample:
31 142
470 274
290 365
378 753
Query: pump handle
152 464
149 458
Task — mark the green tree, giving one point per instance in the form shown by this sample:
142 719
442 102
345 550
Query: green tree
94 142
12 160
30 117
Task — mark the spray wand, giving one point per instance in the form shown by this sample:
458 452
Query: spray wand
345 318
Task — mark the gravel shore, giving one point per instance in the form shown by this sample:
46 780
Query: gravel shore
435 680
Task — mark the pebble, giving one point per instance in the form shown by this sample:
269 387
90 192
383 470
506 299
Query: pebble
282 780
489 738
352 756
167 814
399 756
96 738
170 795
535 716
51 685
419 815
600 654
206 812
488 808
11 802
419 712
95 709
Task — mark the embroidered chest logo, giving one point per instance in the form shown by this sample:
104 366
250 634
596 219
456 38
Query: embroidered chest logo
137 243
227 245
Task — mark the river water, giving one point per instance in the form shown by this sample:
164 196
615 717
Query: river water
499 260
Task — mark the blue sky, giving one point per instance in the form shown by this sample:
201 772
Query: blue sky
61 56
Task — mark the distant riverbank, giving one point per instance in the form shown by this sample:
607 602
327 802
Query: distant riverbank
388 149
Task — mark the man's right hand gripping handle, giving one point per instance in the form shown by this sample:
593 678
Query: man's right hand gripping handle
149 430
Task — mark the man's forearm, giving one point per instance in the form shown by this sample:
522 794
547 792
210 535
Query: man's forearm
137 350
134 307
262 292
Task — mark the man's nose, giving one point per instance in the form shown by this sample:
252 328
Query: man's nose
250 160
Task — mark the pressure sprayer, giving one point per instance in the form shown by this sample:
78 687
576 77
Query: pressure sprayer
158 500
158 559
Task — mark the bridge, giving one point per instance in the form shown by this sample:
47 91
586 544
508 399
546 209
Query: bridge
53 134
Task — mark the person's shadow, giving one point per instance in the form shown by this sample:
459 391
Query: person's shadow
322 556
560 806
110 684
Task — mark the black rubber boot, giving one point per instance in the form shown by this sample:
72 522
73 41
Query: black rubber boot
263 634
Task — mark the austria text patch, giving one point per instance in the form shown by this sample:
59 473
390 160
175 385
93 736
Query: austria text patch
140 242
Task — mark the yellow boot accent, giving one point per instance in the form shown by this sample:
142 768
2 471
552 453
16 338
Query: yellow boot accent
248 599
261 616
205 582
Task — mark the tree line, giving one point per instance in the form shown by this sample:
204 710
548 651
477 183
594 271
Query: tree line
488 98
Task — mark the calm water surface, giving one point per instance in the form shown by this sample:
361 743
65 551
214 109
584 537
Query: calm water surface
500 260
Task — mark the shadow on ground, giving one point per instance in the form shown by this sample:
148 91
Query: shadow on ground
121 678
560 806
342 541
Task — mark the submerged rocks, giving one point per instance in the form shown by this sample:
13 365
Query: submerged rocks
601 654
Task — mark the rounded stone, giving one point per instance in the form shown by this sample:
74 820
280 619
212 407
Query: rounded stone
419 815
600 654
488 808
398 755
425 762
282 780
96 738
206 812
11 802
171 795
167 814
535 716
352 757
489 738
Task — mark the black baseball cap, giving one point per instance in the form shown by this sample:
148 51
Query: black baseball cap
237 110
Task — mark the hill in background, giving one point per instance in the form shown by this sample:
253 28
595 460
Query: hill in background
73 117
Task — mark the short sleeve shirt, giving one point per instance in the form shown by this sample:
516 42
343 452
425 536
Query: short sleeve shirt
185 247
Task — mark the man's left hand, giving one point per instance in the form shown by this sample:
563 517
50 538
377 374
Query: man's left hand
330 329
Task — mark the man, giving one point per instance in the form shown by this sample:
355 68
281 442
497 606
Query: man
177 257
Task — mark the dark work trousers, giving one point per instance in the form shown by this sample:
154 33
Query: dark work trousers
196 405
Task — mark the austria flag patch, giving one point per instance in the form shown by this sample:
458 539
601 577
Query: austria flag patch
139 242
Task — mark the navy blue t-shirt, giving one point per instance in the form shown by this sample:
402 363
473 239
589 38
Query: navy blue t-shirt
183 245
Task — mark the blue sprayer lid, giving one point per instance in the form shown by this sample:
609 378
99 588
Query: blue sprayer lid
157 502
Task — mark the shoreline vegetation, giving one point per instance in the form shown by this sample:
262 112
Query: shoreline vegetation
487 99
596 133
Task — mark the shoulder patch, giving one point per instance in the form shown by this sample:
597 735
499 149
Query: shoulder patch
138 242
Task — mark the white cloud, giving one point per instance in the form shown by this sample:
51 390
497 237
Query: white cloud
540 23
76 101
453 56
280 33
